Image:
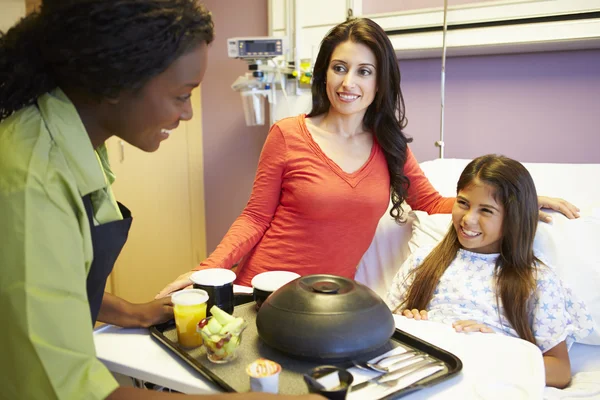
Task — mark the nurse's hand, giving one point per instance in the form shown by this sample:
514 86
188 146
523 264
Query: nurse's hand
556 204
117 311
155 312
181 282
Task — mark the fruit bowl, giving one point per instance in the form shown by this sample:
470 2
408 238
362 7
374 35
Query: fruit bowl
221 335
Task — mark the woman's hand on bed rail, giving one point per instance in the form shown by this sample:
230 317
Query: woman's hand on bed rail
471 326
415 314
556 204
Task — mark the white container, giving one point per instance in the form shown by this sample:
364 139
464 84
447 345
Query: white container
254 104
264 376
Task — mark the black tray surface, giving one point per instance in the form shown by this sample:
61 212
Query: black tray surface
232 377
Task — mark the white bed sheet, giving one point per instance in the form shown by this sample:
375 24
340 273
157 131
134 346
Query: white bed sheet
585 358
494 366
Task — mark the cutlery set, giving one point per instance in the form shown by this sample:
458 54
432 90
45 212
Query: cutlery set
396 367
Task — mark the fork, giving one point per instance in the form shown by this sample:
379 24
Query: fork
388 361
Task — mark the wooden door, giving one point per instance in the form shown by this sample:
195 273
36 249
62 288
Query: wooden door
165 192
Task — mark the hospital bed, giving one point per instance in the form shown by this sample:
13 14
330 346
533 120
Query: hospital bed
570 246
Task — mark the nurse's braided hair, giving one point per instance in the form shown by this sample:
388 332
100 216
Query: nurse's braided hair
99 46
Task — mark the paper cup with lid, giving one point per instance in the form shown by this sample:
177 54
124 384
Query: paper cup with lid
218 283
266 283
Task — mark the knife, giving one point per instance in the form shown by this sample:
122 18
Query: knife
396 374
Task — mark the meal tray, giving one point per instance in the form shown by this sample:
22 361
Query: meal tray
232 377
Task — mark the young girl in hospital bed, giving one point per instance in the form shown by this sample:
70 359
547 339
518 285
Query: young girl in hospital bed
483 275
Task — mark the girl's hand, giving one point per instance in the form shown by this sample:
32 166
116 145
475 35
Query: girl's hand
556 204
415 314
471 326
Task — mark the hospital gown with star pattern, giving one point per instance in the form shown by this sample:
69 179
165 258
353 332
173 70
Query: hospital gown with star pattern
466 291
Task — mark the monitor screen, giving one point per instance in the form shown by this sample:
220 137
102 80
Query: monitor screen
260 46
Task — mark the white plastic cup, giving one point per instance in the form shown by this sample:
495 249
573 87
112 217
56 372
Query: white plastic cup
189 308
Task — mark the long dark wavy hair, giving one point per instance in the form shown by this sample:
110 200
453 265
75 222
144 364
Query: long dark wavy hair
98 46
385 116
512 187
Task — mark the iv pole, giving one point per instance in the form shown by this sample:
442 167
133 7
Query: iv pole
440 143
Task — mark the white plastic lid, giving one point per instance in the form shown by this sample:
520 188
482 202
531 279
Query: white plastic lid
189 297
272 280
213 277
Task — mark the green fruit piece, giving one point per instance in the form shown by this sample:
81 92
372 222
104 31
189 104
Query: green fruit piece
221 315
214 326
231 346
210 345
220 352
206 331
233 327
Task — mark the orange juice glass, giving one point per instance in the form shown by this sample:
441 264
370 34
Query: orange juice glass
189 307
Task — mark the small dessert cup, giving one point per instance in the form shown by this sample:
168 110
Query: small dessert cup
222 347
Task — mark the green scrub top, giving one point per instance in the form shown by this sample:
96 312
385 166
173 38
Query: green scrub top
47 163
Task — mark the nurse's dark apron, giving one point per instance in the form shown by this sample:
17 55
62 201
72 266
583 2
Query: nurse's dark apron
107 241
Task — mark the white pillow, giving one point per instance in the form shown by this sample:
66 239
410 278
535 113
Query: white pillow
568 181
427 230
572 247
385 255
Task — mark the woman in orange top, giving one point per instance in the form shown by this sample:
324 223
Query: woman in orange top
324 179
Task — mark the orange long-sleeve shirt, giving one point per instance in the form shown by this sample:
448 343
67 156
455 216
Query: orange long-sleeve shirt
306 215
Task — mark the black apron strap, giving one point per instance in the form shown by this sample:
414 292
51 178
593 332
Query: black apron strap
107 241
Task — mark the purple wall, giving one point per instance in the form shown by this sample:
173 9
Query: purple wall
539 107
231 149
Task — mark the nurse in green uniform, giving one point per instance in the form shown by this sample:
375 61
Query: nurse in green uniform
71 76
